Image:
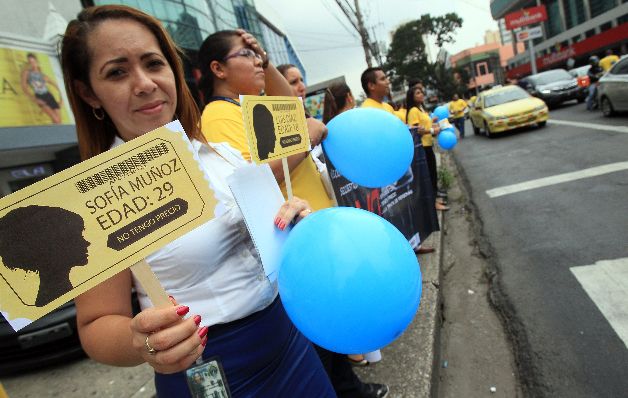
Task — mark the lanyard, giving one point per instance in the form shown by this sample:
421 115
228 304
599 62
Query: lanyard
220 98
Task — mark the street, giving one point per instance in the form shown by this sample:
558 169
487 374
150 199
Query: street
552 205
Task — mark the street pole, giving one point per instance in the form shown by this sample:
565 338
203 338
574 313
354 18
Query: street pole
532 56
363 34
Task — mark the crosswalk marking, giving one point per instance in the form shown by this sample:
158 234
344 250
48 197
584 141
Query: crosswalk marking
606 283
593 126
557 179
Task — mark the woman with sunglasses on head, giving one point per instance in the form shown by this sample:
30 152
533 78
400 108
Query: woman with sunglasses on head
232 64
124 77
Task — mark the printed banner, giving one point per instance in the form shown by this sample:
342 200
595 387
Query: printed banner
408 204
64 235
315 103
31 92
275 127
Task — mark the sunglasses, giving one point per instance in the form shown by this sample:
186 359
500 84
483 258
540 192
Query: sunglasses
244 52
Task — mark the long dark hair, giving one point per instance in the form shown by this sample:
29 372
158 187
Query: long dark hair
95 136
335 99
215 48
411 103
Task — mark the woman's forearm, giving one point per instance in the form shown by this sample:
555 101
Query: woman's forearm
276 84
108 339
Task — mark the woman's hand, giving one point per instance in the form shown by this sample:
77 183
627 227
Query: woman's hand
252 42
294 209
317 131
436 128
165 340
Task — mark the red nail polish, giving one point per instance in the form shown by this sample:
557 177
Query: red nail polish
197 319
277 219
282 225
204 341
182 310
203 332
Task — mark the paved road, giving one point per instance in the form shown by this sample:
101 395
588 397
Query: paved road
554 208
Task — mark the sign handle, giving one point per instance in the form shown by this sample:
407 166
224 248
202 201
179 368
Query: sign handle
156 293
286 177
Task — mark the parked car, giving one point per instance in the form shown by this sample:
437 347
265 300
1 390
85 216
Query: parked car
506 108
50 340
580 74
554 87
613 88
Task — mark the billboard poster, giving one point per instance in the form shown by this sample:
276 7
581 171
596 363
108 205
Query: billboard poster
31 92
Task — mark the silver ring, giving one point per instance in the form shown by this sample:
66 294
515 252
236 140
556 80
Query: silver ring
151 350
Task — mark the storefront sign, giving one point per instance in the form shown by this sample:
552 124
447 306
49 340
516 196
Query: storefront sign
525 17
529 34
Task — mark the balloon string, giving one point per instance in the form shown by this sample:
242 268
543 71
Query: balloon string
286 177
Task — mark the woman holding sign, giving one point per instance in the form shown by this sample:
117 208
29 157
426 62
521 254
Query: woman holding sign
124 78
232 66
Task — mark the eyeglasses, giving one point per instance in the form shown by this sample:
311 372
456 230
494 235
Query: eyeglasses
244 52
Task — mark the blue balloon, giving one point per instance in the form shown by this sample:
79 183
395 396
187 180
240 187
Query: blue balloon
441 112
447 138
370 147
349 280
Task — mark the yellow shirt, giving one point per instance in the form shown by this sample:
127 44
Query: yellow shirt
608 61
416 116
401 114
457 108
222 122
371 103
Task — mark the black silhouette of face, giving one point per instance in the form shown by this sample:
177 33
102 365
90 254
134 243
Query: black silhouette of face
46 240
265 130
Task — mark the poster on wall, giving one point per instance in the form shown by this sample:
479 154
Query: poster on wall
314 103
31 92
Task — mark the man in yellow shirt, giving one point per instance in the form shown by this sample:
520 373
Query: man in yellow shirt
457 107
607 62
376 87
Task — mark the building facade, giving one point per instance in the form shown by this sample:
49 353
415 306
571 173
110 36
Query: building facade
574 29
485 64
34 145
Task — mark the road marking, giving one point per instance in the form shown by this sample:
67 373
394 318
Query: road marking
606 283
557 179
617 129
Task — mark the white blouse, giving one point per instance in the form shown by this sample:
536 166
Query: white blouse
214 269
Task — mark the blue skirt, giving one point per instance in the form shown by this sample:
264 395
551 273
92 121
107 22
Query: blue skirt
263 355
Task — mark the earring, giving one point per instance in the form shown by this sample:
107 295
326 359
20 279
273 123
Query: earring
99 116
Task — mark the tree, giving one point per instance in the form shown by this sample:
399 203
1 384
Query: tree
407 58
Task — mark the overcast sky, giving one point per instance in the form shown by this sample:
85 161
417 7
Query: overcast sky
329 47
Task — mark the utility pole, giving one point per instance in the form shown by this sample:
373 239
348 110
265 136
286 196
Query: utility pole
355 19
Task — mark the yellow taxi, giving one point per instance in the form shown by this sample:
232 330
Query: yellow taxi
505 108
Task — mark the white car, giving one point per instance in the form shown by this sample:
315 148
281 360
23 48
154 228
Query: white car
613 89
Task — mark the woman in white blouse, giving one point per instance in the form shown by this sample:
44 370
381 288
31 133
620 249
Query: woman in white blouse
124 77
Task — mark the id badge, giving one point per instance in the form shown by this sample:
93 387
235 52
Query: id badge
207 380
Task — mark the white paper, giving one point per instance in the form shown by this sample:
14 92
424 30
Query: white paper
259 198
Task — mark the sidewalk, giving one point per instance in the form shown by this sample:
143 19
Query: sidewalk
408 365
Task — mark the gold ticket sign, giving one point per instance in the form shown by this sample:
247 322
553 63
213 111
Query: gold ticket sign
275 127
64 235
